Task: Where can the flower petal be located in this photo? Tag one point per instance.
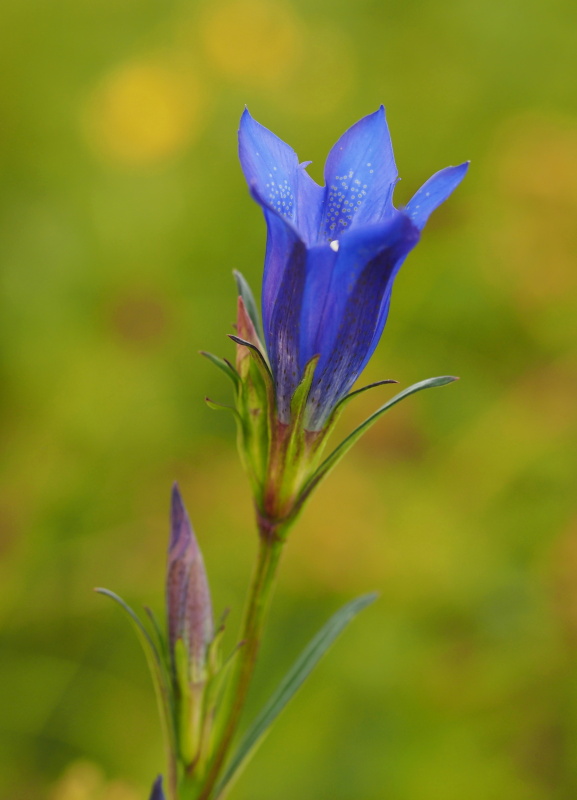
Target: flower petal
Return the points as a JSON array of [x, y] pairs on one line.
[[360, 175], [269, 165], [350, 321], [271, 168], [281, 240], [282, 330], [434, 192]]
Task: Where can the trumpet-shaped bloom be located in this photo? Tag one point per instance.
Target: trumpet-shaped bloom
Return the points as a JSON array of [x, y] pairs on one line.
[[332, 254]]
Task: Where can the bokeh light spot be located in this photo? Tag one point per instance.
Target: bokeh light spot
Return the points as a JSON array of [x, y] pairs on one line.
[[144, 112], [138, 318], [252, 41], [83, 780]]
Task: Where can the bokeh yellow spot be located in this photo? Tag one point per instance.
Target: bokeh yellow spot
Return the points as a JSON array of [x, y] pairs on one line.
[[252, 41], [144, 112], [83, 780]]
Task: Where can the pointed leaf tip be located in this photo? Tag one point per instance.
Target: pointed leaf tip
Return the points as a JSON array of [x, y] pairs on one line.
[[245, 292]]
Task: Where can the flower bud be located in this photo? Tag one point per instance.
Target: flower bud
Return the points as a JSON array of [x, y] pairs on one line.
[[188, 601], [157, 792]]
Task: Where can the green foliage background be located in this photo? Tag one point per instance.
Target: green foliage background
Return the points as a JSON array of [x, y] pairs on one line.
[[123, 213]]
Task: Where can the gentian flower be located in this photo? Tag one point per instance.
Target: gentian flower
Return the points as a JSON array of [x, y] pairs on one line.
[[332, 255]]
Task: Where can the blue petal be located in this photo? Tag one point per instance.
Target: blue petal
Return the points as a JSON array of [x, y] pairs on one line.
[[281, 241], [276, 178], [434, 192], [350, 316], [283, 315], [269, 165], [360, 175], [157, 791]]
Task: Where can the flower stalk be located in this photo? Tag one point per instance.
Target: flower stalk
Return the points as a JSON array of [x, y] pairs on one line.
[[255, 616]]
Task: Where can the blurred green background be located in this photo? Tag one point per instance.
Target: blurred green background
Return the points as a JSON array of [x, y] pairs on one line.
[[123, 213]]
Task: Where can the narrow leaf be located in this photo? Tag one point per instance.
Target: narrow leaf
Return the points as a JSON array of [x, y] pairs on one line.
[[353, 437], [142, 632], [160, 639], [254, 349], [223, 365], [245, 292], [350, 396], [160, 678], [220, 406], [293, 680]]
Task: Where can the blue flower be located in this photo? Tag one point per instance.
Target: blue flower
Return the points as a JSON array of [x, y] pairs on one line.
[[332, 254]]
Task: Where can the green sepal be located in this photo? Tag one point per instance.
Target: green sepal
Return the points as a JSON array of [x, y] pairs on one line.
[[300, 396], [245, 292], [161, 679], [255, 407], [222, 364], [295, 458], [190, 705], [257, 355], [220, 406], [187, 739], [288, 687], [334, 458]]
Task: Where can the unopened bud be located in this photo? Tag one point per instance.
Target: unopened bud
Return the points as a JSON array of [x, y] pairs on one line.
[[187, 594], [157, 791]]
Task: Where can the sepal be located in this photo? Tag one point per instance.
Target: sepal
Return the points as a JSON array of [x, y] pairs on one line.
[[245, 292], [222, 364], [254, 401]]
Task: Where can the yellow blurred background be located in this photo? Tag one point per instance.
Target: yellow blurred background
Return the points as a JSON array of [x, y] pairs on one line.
[[124, 212]]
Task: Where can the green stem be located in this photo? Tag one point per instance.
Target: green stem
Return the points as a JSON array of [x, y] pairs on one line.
[[270, 549]]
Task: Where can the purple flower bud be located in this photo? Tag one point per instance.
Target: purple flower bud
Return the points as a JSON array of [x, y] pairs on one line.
[[157, 792], [188, 601]]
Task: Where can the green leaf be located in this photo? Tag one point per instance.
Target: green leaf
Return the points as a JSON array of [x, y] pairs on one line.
[[293, 680], [160, 678], [220, 406], [353, 437], [223, 365], [160, 639], [245, 292], [350, 396]]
